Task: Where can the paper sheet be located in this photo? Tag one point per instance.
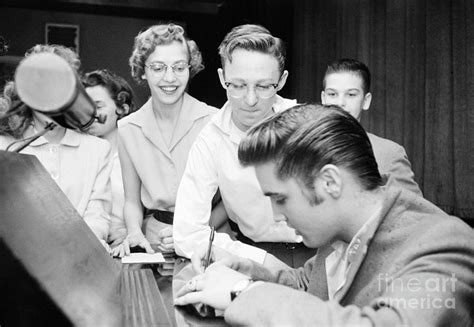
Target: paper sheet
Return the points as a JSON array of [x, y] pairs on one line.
[[144, 258]]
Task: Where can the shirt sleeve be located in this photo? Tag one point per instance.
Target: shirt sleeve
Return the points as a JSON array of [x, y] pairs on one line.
[[99, 205], [271, 304], [193, 205]]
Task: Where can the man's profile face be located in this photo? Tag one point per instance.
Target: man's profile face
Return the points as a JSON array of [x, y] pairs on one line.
[[345, 89], [251, 70], [291, 199]]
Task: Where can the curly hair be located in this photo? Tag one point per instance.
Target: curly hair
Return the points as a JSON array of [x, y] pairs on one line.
[[146, 42], [118, 88], [18, 115], [66, 53]]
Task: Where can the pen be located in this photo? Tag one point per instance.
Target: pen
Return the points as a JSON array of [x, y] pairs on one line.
[[207, 310], [211, 239]]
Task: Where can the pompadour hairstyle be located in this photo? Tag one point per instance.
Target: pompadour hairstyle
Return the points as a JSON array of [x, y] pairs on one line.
[[146, 42], [252, 37], [351, 66], [302, 139], [118, 88]]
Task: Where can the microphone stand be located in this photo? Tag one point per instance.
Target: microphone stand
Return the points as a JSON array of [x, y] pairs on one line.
[[49, 127]]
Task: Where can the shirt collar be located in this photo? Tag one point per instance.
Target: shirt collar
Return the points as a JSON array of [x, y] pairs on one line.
[[144, 118], [223, 119], [71, 138], [194, 111]]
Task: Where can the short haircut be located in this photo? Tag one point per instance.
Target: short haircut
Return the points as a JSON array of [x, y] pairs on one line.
[[162, 34], [351, 66], [252, 37], [118, 88], [304, 138]]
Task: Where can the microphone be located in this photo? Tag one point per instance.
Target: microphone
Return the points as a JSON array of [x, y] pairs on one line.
[[45, 82]]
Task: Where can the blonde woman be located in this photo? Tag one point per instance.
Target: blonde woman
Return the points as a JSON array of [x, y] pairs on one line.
[[154, 142]]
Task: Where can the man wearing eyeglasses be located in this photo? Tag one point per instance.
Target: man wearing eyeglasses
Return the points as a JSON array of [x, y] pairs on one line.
[[252, 73]]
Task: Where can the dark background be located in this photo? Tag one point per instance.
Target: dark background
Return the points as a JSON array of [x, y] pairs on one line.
[[419, 53]]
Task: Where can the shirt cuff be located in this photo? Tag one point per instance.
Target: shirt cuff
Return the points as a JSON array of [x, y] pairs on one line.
[[251, 252]]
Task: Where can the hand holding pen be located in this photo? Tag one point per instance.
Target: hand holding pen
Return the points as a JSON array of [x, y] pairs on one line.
[[209, 253]]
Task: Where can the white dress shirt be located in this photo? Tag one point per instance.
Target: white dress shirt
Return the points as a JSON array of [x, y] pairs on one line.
[[81, 165], [212, 164]]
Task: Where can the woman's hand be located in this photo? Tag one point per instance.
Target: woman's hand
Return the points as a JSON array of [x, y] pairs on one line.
[[117, 236], [135, 238], [166, 239]]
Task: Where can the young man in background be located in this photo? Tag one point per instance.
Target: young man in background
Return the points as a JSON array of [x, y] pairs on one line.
[[347, 84]]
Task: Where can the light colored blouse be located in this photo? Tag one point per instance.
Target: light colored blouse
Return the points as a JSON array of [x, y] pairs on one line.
[[81, 165], [118, 197], [158, 166]]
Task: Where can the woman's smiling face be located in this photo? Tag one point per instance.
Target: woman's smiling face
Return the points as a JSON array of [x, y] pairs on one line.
[[168, 86]]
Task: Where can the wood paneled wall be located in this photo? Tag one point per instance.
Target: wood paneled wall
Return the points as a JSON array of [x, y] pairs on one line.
[[420, 56]]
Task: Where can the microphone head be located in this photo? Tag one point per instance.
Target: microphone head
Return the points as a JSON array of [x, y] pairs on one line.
[[45, 82]]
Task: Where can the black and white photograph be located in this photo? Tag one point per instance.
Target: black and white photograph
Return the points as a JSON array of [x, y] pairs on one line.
[[236, 163]]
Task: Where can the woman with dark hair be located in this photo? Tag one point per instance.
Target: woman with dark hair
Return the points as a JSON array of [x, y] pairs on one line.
[[113, 98]]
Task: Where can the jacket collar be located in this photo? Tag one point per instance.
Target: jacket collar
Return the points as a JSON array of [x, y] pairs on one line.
[[365, 238], [191, 111], [319, 286]]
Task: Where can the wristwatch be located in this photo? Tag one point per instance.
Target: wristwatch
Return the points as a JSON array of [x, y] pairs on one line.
[[239, 287]]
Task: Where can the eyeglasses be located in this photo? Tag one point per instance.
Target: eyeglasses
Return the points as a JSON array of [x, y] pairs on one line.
[[179, 68], [263, 91]]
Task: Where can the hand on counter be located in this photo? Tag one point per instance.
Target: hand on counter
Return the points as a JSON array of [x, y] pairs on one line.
[[117, 236], [133, 239]]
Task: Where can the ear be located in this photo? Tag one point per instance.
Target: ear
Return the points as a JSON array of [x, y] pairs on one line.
[[367, 101], [329, 181], [126, 109], [220, 73], [323, 97], [282, 81]]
